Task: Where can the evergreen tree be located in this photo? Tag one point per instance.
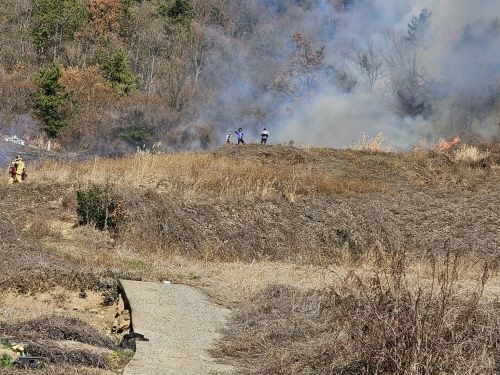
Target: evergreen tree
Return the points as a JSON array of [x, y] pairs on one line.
[[55, 21], [347, 5], [127, 18], [116, 69], [50, 100], [418, 26], [177, 12]]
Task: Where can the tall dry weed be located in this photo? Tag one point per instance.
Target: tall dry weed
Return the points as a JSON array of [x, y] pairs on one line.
[[191, 176], [373, 144], [386, 324], [469, 154]]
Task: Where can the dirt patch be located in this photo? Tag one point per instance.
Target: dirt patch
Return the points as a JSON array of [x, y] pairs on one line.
[[15, 307]]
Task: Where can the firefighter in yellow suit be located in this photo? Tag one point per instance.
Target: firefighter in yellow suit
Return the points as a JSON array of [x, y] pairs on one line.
[[16, 170]]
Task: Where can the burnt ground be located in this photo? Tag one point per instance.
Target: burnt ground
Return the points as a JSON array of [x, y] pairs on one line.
[[8, 152]]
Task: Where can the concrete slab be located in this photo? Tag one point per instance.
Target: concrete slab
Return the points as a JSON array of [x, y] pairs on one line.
[[181, 324]]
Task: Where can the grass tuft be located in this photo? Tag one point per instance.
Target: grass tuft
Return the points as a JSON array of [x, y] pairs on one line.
[[470, 154]]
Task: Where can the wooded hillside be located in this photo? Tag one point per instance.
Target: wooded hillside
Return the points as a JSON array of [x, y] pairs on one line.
[[111, 75]]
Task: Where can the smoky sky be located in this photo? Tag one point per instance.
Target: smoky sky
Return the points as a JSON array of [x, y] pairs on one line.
[[456, 66]]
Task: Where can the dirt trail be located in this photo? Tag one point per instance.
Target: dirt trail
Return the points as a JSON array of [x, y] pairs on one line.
[[180, 323]]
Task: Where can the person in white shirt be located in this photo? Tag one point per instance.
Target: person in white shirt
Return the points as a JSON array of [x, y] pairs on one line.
[[264, 136]]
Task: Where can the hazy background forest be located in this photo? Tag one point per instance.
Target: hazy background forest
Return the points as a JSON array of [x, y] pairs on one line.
[[109, 75]]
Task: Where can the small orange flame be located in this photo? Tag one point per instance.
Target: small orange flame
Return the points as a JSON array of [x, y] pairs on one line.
[[445, 145]]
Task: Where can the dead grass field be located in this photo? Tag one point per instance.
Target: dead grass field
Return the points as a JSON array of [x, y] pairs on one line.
[[386, 324], [194, 176], [242, 223]]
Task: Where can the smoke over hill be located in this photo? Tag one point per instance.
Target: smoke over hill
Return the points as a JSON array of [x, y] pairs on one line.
[[413, 69], [184, 72]]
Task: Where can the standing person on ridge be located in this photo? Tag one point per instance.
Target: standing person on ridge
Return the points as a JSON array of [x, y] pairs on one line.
[[239, 135], [17, 170], [263, 137], [228, 138]]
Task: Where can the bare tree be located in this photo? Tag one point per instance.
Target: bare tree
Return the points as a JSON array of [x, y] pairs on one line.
[[299, 78], [368, 62]]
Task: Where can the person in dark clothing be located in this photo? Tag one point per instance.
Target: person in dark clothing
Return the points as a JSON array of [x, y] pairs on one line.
[[240, 135]]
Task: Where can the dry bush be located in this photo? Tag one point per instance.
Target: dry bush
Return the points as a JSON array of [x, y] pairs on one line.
[[57, 354], [372, 144], [56, 328], [467, 153], [386, 325], [190, 176], [40, 228], [53, 370]]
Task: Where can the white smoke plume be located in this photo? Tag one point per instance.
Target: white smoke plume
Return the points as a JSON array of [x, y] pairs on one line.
[[464, 76], [452, 84]]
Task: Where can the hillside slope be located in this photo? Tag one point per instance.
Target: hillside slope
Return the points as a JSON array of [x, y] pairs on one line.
[[239, 219], [277, 202]]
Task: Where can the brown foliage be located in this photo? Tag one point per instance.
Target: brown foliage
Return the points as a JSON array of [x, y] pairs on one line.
[[104, 16], [15, 90], [90, 98], [299, 78]]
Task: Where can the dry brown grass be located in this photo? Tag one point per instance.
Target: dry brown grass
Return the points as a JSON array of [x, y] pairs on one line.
[[470, 154], [372, 144], [384, 324], [56, 370], [238, 222], [56, 328], [58, 353], [190, 176]]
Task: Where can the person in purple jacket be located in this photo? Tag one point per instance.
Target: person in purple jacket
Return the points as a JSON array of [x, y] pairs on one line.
[[239, 135]]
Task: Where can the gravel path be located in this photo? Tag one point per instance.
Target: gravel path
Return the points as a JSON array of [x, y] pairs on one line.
[[180, 323]]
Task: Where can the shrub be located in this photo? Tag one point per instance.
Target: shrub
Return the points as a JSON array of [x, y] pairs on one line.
[[136, 134], [177, 12], [6, 361], [384, 325], [116, 70], [99, 207]]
